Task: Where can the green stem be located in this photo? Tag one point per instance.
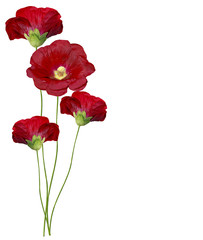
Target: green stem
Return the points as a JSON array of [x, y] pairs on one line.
[[65, 178], [40, 97], [46, 218], [40, 195], [41, 103], [45, 211], [52, 176]]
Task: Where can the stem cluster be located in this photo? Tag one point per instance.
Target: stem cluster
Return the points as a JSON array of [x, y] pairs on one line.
[[45, 208]]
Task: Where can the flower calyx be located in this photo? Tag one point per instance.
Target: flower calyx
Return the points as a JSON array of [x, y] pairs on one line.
[[81, 118], [35, 38], [36, 142]]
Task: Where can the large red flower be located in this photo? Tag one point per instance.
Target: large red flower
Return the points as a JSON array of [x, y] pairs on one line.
[[32, 131], [45, 20], [59, 66], [84, 107]]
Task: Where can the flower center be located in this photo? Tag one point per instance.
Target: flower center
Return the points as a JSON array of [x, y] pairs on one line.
[[60, 73]]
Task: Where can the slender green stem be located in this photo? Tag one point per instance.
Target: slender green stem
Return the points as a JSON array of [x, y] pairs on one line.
[[41, 111], [46, 219], [40, 195], [65, 178], [52, 176], [44, 210], [45, 173], [56, 156]]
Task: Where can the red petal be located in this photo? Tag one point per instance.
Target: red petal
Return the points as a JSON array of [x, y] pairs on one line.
[[44, 19], [25, 129], [98, 111], [86, 101], [56, 93], [33, 124], [26, 12], [16, 27], [94, 107], [69, 105], [78, 84], [79, 50], [20, 133], [49, 131]]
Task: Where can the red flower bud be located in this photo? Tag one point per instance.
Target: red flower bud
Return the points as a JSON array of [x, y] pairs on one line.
[[35, 131], [34, 24], [84, 107]]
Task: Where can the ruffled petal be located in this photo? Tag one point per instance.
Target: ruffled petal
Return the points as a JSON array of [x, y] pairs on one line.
[[16, 27], [78, 84], [49, 131], [20, 133], [94, 107], [44, 19], [25, 129], [69, 105]]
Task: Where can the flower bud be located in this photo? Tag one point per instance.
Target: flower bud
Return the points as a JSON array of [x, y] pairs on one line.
[[35, 38], [81, 118], [36, 142]]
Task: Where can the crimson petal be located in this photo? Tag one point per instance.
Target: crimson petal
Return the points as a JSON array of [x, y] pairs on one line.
[[39, 126], [31, 18], [94, 107]]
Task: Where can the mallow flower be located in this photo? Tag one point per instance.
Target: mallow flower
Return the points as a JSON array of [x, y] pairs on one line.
[[35, 131], [59, 66], [34, 24], [84, 107]]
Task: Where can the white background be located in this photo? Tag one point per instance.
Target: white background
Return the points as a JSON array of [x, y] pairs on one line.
[[139, 174]]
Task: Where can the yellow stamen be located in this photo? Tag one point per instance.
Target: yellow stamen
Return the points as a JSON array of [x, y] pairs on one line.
[[60, 73]]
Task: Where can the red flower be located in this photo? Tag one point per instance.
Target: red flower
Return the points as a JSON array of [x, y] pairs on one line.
[[45, 20], [59, 66], [35, 131], [84, 107]]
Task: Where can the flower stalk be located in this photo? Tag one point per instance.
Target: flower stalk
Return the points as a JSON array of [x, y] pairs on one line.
[[65, 177], [48, 189], [41, 97]]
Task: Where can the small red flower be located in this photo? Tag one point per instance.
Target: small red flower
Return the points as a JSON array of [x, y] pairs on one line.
[[34, 131], [46, 20], [59, 66], [84, 107]]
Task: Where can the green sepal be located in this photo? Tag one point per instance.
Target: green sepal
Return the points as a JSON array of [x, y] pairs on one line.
[[36, 142], [35, 39], [81, 118]]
